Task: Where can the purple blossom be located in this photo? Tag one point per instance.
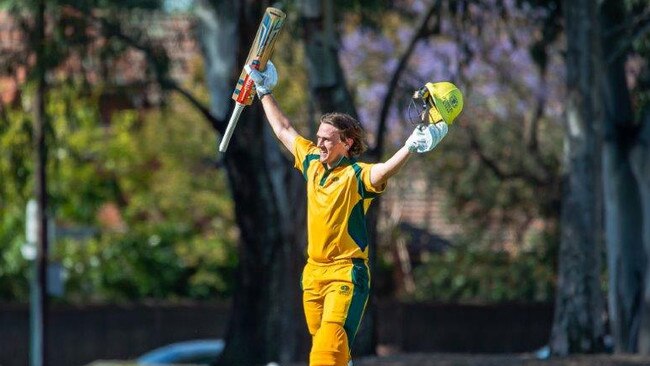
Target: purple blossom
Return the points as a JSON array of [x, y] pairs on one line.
[[497, 66], [405, 34], [390, 65], [419, 6], [381, 44], [491, 88], [521, 57], [531, 80]]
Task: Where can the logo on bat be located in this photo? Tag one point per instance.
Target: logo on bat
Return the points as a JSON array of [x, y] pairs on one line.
[[268, 32]]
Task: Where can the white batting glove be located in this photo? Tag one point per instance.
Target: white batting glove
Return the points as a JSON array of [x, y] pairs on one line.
[[426, 137], [265, 80]]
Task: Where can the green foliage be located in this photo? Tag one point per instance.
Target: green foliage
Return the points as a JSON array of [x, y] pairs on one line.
[[508, 214], [465, 274], [362, 7], [144, 187], [153, 213], [13, 268], [163, 262], [16, 185], [491, 204]]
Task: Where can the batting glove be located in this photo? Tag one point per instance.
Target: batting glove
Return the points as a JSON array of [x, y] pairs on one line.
[[265, 80], [426, 137]]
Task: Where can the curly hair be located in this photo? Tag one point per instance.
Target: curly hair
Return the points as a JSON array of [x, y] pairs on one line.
[[349, 128]]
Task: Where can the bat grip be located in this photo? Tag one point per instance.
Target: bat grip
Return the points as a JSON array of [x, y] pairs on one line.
[[223, 146]]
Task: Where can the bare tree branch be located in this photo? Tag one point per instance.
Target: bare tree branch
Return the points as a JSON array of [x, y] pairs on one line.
[[624, 35], [422, 31], [162, 77], [505, 78], [158, 61], [500, 172], [532, 136], [626, 28]]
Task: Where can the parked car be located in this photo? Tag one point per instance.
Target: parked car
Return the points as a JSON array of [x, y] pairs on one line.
[[195, 352]]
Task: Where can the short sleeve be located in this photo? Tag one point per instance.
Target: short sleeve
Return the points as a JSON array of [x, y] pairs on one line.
[[304, 152], [369, 191]]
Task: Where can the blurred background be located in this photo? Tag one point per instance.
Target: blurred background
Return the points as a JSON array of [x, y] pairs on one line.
[[122, 229]]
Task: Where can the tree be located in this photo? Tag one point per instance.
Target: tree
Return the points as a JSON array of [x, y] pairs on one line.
[[625, 181], [509, 136], [51, 50], [578, 325], [269, 204], [128, 182], [263, 182]]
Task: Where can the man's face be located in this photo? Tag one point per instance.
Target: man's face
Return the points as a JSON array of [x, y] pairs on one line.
[[332, 148]]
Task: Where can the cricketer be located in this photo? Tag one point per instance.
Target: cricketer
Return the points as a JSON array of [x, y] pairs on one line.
[[336, 279]]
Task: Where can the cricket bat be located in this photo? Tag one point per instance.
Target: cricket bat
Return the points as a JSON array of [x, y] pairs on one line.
[[259, 54]]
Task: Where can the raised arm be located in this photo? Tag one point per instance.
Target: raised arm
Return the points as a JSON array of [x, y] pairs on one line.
[[379, 173], [424, 138], [279, 122], [265, 81]]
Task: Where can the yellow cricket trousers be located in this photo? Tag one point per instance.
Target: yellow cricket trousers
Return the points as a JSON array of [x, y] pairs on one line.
[[334, 299]]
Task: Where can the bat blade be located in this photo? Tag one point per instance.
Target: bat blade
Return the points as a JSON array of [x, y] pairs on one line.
[[259, 54]]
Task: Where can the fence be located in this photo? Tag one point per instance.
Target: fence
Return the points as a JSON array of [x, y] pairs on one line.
[[81, 334], [496, 328]]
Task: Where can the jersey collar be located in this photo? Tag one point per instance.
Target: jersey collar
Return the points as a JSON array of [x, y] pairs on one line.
[[343, 161]]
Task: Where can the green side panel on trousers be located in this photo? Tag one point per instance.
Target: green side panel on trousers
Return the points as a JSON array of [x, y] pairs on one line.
[[361, 280]]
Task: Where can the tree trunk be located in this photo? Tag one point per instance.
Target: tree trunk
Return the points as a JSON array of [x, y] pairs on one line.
[[219, 53], [269, 197], [326, 80], [269, 201], [578, 324], [329, 93], [623, 216], [640, 157], [625, 255]]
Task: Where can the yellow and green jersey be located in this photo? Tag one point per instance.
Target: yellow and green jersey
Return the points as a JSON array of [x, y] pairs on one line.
[[337, 201]]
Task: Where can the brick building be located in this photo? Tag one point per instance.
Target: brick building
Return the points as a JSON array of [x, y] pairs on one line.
[[125, 73]]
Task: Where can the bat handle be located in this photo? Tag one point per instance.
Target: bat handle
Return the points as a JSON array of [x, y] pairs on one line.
[[223, 146]]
